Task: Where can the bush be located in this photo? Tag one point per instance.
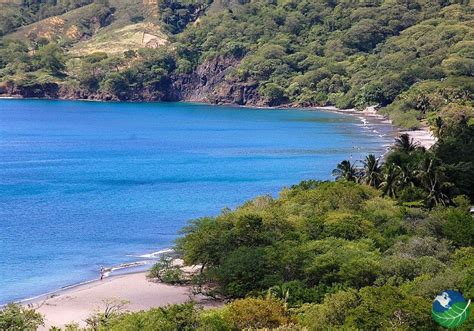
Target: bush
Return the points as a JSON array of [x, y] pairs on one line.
[[331, 313], [174, 317], [273, 93], [459, 227], [408, 120], [166, 272], [254, 313], [388, 307], [16, 317], [296, 293], [213, 320]]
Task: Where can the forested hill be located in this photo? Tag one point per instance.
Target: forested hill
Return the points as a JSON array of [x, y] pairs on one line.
[[415, 58]]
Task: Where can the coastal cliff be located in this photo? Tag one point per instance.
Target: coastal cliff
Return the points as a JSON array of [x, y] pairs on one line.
[[208, 83]]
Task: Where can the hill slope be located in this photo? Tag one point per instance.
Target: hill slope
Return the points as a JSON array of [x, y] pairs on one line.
[[113, 26]]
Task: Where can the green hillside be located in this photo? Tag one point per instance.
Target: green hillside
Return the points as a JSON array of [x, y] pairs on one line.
[[113, 26], [18, 13], [414, 57]]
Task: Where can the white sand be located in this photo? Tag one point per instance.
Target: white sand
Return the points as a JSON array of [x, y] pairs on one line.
[[421, 136], [78, 303]]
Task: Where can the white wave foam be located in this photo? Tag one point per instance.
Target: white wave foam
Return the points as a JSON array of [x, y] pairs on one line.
[[126, 266], [363, 120], [155, 255]]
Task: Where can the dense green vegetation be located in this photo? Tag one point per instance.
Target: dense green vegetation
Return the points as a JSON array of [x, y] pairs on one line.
[[176, 15], [15, 317], [14, 14], [344, 254]]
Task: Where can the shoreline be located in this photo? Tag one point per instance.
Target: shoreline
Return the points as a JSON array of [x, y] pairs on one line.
[[127, 268], [133, 291], [421, 136]]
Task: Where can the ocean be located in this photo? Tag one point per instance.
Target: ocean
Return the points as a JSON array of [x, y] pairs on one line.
[[89, 184]]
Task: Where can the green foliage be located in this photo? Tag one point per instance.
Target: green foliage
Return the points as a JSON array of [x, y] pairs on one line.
[[50, 58], [273, 93], [331, 313], [14, 15], [252, 313], [166, 272], [387, 307], [370, 308], [295, 293], [414, 59], [14, 317], [173, 317], [456, 224], [347, 54], [177, 14], [378, 263]]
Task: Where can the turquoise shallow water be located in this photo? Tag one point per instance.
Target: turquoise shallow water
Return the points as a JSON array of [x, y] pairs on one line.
[[87, 184]]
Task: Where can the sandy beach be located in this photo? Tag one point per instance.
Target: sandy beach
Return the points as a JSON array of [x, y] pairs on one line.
[[422, 136], [76, 304]]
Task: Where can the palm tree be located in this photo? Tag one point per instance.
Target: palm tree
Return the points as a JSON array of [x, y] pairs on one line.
[[372, 171], [390, 180], [431, 176], [346, 170], [407, 175], [405, 144]]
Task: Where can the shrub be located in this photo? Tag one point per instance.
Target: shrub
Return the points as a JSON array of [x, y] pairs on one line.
[[174, 317], [255, 313], [166, 272], [388, 307], [295, 293], [273, 93], [16, 317], [213, 320], [408, 120], [331, 313]]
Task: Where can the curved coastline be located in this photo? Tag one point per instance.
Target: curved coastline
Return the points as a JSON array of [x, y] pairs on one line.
[[133, 291], [367, 118], [138, 266], [131, 268]]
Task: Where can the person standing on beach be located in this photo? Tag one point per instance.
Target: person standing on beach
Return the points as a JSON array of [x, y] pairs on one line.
[[102, 271]]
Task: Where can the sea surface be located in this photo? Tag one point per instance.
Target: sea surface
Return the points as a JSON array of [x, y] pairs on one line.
[[85, 184]]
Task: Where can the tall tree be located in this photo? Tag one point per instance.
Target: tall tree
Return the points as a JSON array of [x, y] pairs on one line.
[[405, 144], [431, 176], [390, 181], [346, 170], [372, 171], [51, 58]]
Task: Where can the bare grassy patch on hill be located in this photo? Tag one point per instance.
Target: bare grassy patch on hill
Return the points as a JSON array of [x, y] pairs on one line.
[[130, 37]]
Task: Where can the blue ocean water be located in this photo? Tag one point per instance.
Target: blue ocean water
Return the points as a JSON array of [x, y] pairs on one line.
[[87, 184]]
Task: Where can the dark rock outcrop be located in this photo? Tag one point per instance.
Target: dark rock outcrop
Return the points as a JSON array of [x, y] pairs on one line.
[[46, 90], [211, 83]]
